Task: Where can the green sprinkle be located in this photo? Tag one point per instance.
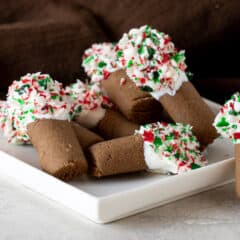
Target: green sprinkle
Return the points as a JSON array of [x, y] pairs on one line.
[[192, 138], [148, 31], [154, 38], [233, 112], [151, 52], [178, 57], [78, 109], [156, 76], [177, 155], [54, 97], [223, 123], [169, 149], [20, 101], [101, 64], [146, 89], [140, 50], [119, 53], [194, 166], [43, 83], [129, 64], [88, 59], [157, 141], [170, 136]]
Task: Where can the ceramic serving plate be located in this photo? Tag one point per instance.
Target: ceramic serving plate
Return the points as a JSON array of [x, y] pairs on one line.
[[109, 199]]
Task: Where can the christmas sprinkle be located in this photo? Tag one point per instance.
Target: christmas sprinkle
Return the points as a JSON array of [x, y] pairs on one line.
[[227, 122], [87, 102], [99, 61], [171, 148], [152, 61], [34, 96]]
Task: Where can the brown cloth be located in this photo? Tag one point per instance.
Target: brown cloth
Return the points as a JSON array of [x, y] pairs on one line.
[[51, 35], [44, 35]]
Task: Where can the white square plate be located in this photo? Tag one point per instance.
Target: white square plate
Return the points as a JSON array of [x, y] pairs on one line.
[[109, 199]]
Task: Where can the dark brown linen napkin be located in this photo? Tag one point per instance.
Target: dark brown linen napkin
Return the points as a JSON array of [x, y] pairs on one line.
[[47, 36]]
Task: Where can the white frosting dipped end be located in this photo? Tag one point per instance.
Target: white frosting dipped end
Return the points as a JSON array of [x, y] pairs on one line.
[[157, 162], [90, 119], [34, 96], [87, 101], [170, 148], [151, 61], [181, 76]]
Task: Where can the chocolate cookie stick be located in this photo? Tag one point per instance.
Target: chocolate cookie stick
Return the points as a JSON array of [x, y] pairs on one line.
[[58, 148], [136, 105], [227, 123], [191, 109], [38, 113], [159, 147], [120, 155], [85, 137], [115, 125]]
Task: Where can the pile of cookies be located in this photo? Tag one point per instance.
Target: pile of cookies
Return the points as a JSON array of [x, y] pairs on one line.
[[138, 111]]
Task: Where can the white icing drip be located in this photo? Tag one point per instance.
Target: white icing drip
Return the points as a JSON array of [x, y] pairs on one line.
[[181, 79], [90, 119]]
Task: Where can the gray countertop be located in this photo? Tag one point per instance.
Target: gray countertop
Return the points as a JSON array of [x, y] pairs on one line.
[[210, 215]]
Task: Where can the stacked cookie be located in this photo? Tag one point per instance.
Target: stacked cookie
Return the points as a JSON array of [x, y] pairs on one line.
[[114, 124]]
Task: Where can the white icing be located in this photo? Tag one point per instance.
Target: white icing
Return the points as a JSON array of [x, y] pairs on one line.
[[170, 148], [90, 119], [89, 98]]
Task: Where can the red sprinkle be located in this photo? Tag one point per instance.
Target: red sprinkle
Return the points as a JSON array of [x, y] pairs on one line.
[[105, 74], [236, 135], [165, 58], [142, 80], [25, 80], [148, 136]]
